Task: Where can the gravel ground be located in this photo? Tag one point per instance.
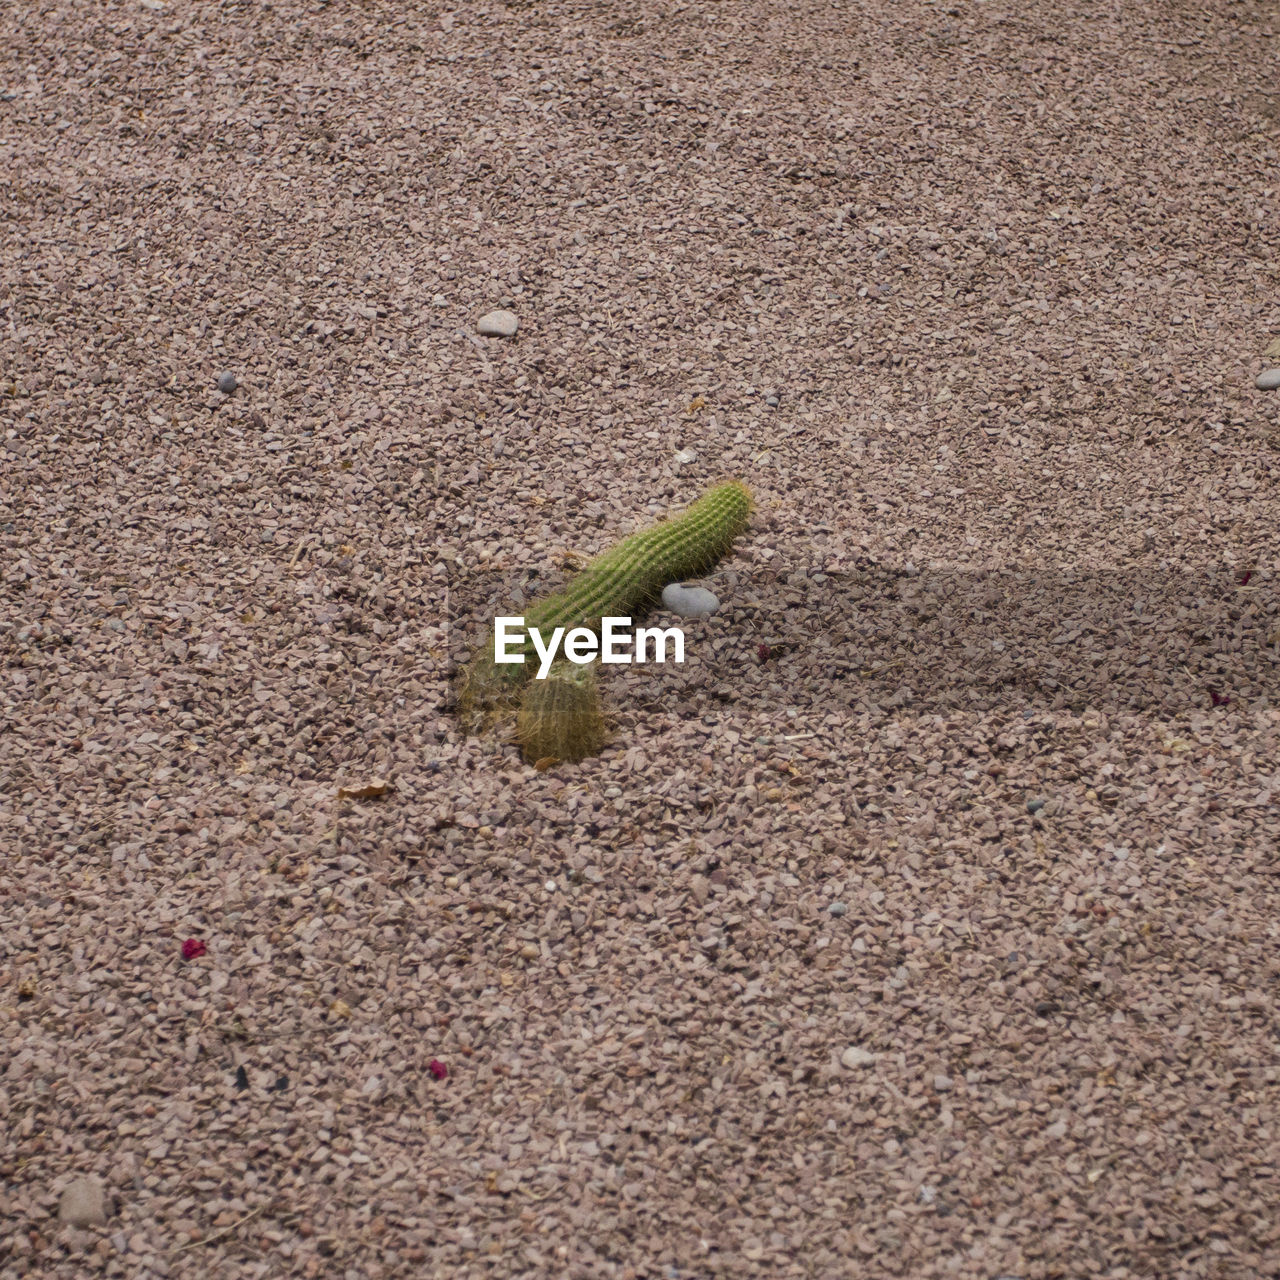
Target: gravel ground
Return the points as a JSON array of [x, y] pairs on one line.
[[924, 923]]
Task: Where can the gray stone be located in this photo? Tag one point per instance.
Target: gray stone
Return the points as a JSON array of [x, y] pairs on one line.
[[771, 401], [227, 383], [83, 1204], [498, 324], [1034, 806], [837, 909], [686, 455], [689, 602], [1268, 381], [942, 1083]]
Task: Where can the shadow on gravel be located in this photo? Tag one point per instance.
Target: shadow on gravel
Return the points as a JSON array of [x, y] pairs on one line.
[[941, 642]]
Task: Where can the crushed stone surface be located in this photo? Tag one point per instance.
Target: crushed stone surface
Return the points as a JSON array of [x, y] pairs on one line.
[[923, 923]]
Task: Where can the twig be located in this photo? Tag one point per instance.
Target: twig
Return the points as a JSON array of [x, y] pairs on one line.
[[220, 1235]]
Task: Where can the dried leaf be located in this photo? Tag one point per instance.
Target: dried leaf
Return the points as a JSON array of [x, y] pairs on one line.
[[698, 402], [545, 763], [340, 1009], [365, 791], [1273, 350]]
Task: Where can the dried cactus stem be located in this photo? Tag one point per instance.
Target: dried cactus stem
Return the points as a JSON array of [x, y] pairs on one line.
[[560, 716]]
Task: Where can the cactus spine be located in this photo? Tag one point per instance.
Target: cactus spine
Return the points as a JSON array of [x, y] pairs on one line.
[[560, 716]]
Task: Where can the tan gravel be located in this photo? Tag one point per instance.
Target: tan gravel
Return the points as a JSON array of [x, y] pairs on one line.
[[924, 924]]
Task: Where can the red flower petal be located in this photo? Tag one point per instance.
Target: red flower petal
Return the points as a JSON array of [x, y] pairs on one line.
[[437, 1068], [192, 948]]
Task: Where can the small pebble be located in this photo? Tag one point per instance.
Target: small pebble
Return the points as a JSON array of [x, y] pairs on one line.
[[928, 1195], [227, 383], [837, 909], [685, 456], [942, 1083], [1269, 380], [83, 1204], [689, 602], [498, 324], [1034, 806], [772, 401], [854, 1056]]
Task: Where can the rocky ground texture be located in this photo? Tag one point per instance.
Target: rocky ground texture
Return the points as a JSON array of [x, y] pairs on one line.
[[923, 924]]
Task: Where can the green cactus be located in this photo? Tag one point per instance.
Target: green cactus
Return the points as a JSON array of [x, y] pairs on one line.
[[629, 578], [560, 716], [623, 582]]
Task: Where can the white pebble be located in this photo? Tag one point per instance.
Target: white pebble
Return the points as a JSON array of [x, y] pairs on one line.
[[498, 324], [1268, 381], [854, 1056]]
